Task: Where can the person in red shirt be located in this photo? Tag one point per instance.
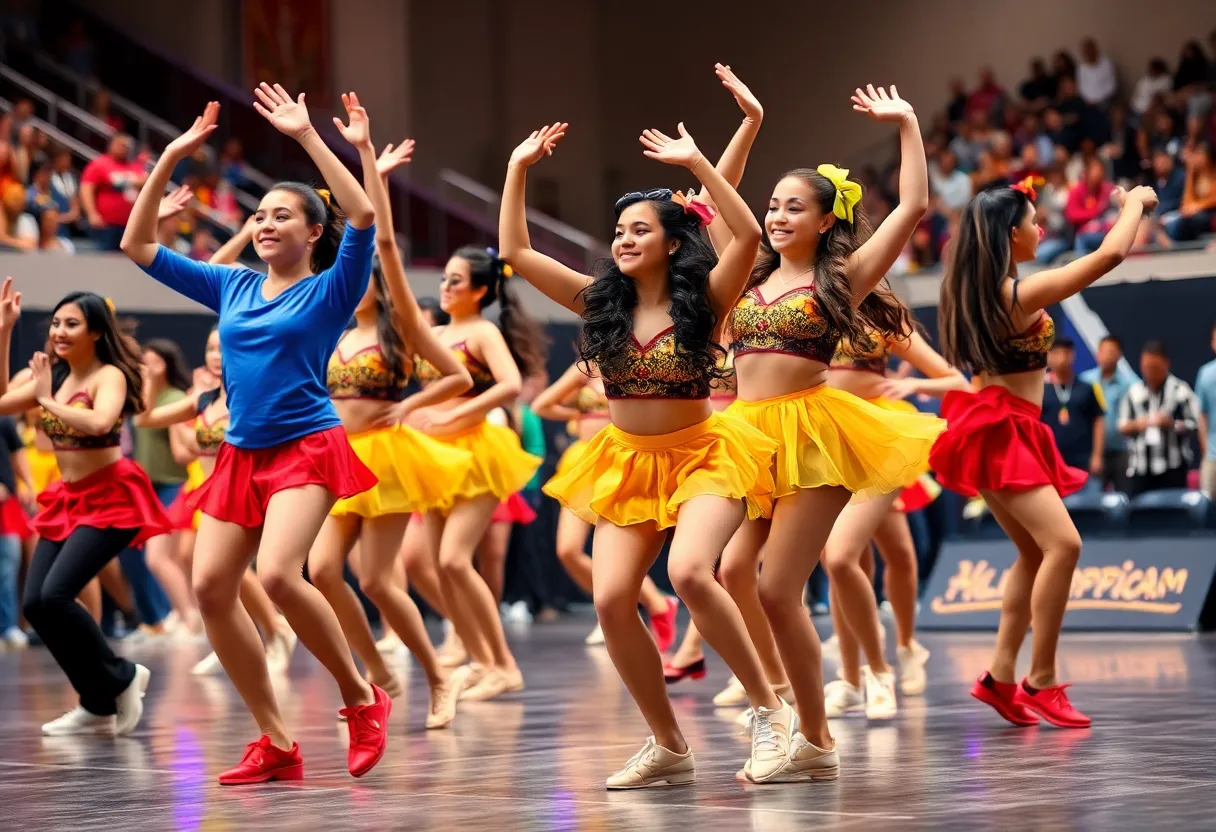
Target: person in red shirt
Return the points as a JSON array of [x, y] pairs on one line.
[[108, 188], [1089, 206]]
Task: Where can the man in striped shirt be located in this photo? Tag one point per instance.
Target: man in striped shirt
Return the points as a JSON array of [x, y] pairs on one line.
[[1158, 416]]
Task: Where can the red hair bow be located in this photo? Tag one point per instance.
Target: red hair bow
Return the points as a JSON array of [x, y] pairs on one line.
[[691, 206], [1028, 185]]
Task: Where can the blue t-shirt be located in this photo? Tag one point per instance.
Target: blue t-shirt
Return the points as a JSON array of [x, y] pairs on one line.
[[1114, 390], [1205, 389], [276, 351]]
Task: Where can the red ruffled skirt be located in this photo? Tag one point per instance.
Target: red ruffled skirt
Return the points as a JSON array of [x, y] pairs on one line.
[[996, 441], [119, 496], [244, 479], [181, 515], [13, 522], [514, 509]]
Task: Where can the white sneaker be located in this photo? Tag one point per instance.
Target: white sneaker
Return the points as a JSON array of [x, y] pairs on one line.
[[880, 694], [390, 645], [912, 669], [279, 649], [807, 762], [16, 638], [841, 699], [831, 649], [654, 765], [518, 613], [732, 694], [209, 666], [78, 722], [596, 638], [130, 703], [771, 731]]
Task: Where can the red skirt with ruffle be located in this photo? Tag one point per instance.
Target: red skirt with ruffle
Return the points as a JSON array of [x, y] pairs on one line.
[[244, 479], [13, 522], [514, 509], [119, 496], [181, 515], [995, 441]]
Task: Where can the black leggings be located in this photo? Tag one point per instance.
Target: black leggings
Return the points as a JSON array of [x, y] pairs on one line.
[[58, 573]]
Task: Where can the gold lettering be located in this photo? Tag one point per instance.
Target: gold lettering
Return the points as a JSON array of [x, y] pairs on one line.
[[1148, 584], [1132, 588], [1172, 581]]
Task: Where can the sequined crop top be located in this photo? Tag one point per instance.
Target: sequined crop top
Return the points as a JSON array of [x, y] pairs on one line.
[[868, 356], [209, 435], [64, 438], [591, 403], [791, 324], [1027, 350], [366, 375], [483, 379], [653, 371]]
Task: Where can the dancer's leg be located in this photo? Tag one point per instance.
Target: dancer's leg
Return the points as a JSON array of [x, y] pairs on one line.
[[492, 557], [901, 581], [739, 572]]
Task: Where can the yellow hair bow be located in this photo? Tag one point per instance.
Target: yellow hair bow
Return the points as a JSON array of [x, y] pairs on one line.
[[326, 197], [848, 193]]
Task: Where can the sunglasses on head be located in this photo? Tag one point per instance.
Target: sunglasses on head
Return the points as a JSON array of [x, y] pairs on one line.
[[635, 196]]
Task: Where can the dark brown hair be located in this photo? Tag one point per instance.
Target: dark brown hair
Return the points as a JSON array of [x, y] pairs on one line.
[[322, 211]]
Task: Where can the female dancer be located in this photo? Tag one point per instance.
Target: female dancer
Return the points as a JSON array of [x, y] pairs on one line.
[[208, 410], [103, 503], [859, 367], [473, 279], [367, 376], [997, 326], [285, 459], [579, 398], [667, 459], [812, 286], [515, 510]]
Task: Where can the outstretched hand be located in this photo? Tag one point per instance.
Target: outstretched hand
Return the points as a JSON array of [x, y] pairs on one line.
[[174, 202], [540, 144], [276, 106], [10, 305], [748, 103], [880, 104], [185, 144], [682, 151], [359, 131], [394, 157]]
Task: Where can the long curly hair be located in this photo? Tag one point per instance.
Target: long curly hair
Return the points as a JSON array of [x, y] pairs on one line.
[[880, 310], [525, 339], [610, 300]]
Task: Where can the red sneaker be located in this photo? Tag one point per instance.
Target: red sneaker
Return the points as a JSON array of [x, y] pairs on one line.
[[1052, 704], [1002, 698], [673, 674], [663, 625], [368, 725], [263, 762]]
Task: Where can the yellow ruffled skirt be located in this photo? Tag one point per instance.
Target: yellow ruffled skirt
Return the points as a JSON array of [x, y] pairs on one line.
[[626, 479], [829, 437], [416, 473], [569, 457], [499, 464], [44, 470]]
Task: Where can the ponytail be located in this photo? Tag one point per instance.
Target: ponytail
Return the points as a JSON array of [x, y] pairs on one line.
[[524, 337], [319, 209]]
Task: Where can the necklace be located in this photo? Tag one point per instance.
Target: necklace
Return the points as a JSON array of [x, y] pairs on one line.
[[785, 281]]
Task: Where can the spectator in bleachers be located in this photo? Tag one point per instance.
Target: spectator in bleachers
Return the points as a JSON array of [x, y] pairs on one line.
[[1090, 210], [950, 185], [100, 109], [108, 188], [29, 152], [1031, 132], [971, 140], [1168, 179], [1049, 215], [1074, 115], [1120, 150], [65, 188], [6, 165], [18, 230], [956, 107], [1114, 378], [1158, 132], [1157, 417], [1156, 82], [1192, 75], [233, 165], [988, 97], [1075, 411], [1205, 391], [995, 163], [76, 49], [1063, 65], [1039, 89], [1096, 78], [1194, 217], [23, 111]]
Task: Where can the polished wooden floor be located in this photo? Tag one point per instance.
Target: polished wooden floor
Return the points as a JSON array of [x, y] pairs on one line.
[[538, 760]]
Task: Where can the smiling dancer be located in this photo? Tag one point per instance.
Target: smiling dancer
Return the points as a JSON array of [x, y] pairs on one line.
[[667, 460], [579, 399], [996, 325], [103, 503], [286, 458], [367, 377]]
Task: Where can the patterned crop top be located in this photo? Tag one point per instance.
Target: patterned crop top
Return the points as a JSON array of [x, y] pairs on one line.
[[209, 435], [791, 324], [868, 356], [366, 375], [653, 371], [1028, 350], [483, 379], [64, 438], [591, 403]]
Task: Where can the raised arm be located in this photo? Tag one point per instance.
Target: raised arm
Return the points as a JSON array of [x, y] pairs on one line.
[[167, 415], [734, 159], [10, 312], [291, 119], [108, 401], [735, 261], [551, 402], [456, 379], [940, 377], [230, 251], [1042, 289], [561, 283]]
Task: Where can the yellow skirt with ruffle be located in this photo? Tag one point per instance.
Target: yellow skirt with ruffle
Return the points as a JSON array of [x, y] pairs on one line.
[[829, 437], [44, 470], [499, 465], [416, 473], [569, 457], [626, 479]]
